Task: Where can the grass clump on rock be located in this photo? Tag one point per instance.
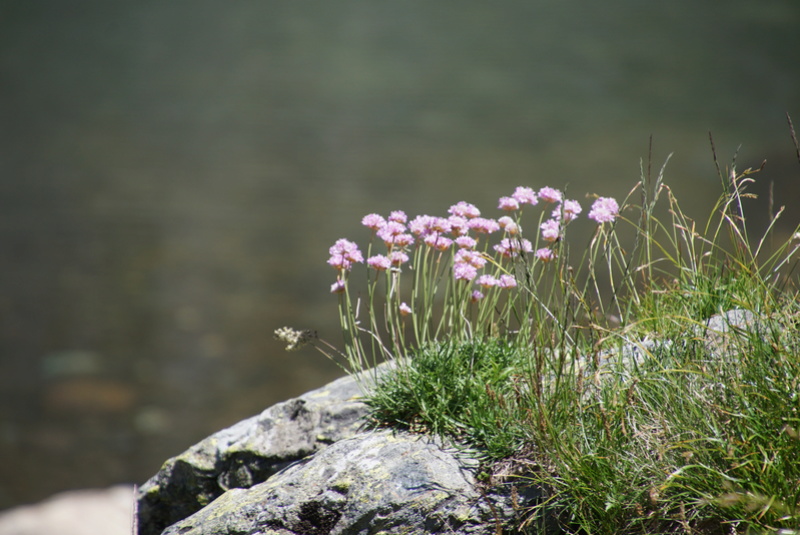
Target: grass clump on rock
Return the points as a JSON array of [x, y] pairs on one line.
[[652, 388]]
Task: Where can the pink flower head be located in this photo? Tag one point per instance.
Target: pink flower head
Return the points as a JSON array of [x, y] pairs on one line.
[[459, 225], [476, 296], [508, 225], [405, 310], [338, 286], [604, 210], [402, 240], [548, 194], [420, 225], [506, 281], [463, 271], [486, 281], [389, 231], [373, 221], [437, 241], [466, 242], [344, 254], [398, 216], [441, 225], [550, 230], [545, 254], [398, 258], [483, 225], [570, 208], [510, 248], [525, 195], [379, 262], [464, 209], [508, 203], [467, 256]]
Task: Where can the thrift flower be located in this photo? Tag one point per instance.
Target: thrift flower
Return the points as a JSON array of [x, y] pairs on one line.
[[398, 258], [486, 281], [476, 296], [405, 310], [398, 216], [483, 225], [459, 225], [437, 241], [464, 271], [525, 195], [467, 256], [604, 210], [379, 262], [420, 225], [508, 225], [510, 248], [464, 209], [338, 286], [545, 254], [344, 254], [550, 230], [506, 281], [570, 208], [466, 242], [388, 232], [440, 224], [508, 203], [548, 194], [373, 221]]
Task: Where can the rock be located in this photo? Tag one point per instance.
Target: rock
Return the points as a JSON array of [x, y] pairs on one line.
[[249, 452], [375, 482], [76, 512]]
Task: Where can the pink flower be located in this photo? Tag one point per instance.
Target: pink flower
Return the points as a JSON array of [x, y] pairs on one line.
[[510, 248], [483, 225], [464, 209], [402, 240], [476, 296], [486, 281], [604, 210], [398, 258], [525, 195], [571, 210], [441, 225], [508, 225], [344, 254], [338, 286], [398, 216], [548, 194], [466, 242], [373, 221], [506, 281], [550, 230], [508, 203], [405, 310], [437, 241], [467, 256], [388, 232], [464, 271], [379, 262], [459, 225], [420, 225], [545, 254]]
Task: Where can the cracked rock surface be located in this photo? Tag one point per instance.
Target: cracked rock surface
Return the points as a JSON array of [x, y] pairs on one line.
[[374, 482], [249, 452]]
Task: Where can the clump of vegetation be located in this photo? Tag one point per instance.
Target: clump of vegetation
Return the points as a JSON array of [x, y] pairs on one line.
[[656, 389]]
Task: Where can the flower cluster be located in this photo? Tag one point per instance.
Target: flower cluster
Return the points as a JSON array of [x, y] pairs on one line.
[[461, 232]]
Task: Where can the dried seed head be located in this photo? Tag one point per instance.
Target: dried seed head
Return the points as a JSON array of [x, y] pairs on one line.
[[293, 338]]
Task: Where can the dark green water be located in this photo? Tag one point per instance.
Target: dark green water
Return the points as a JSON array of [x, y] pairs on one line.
[[172, 174]]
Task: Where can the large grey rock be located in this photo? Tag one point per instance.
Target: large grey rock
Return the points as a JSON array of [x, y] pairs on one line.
[[249, 452], [376, 482]]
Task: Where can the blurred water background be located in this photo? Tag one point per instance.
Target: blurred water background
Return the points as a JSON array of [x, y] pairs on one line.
[[172, 174]]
